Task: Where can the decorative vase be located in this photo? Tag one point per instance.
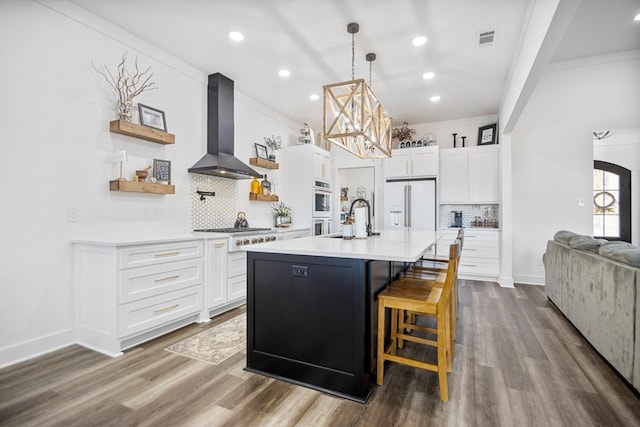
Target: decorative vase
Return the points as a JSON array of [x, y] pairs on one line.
[[272, 157], [124, 110]]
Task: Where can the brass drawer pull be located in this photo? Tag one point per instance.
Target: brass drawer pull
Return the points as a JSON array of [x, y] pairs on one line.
[[167, 278], [168, 253], [160, 310]]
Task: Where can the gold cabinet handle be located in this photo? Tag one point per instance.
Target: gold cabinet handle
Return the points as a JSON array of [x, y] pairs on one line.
[[160, 310], [167, 278], [168, 253]]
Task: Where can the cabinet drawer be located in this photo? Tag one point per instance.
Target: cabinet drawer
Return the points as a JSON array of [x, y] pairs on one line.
[[236, 287], [236, 263], [139, 316], [139, 256], [491, 236], [479, 266], [144, 282], [480, 248]]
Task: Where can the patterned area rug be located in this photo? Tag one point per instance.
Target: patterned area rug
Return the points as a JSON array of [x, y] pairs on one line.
[[217, 344]]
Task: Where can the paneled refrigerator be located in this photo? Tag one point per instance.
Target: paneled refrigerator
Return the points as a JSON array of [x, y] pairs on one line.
[[410, 204]]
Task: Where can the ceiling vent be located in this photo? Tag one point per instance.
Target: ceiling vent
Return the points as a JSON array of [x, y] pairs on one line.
[[486, 38]]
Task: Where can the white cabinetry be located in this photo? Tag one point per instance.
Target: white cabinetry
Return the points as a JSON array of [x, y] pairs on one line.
[[480, 252], [469, 175], [321, 165], [226, 279], [128, 294], [412, 162], [300, 167]]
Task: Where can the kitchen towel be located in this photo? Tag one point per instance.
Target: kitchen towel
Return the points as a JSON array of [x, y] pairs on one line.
[[361, 223]]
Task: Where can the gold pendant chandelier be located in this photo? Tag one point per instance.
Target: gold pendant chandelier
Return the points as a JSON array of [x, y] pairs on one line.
[[353, 117]]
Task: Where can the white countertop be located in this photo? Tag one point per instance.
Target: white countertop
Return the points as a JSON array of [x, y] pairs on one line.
[[390, 245], [129, 238]]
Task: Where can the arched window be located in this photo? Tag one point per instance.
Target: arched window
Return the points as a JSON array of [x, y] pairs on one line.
[[611, 201]]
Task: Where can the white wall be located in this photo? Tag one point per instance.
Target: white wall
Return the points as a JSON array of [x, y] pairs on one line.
[[58, 153], [623, 149], [552, 154]]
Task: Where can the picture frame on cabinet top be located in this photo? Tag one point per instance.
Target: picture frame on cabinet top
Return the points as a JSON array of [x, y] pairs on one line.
[[487, 134]]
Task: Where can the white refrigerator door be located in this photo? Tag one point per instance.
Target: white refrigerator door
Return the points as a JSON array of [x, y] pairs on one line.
[[422, 205], [394, 205]]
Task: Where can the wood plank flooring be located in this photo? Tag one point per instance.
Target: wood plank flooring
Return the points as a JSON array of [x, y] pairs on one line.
[[518, 363]]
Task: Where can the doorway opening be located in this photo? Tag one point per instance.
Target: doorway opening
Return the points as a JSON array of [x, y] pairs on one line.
[[611, 201]]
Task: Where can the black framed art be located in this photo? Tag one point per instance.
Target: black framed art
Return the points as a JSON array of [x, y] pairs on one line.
[[162, 170], [487, 135], [261, 151], [152, 118]]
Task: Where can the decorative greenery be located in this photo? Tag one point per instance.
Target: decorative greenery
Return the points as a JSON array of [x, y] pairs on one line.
[[280, 209], [273, 142], [403, 133]]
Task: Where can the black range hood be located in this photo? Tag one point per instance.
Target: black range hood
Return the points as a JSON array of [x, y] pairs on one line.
[[219, 160]]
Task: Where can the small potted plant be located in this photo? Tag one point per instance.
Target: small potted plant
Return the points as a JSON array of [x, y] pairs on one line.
[[274, 143], [282, 214]]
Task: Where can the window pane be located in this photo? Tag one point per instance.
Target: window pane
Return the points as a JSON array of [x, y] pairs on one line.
[[597, 179], [613, 199], [598, 227], [611, 181], [612, 226]]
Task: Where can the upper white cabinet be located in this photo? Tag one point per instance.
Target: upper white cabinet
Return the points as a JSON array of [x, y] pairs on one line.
[[321, 165], [469, 175], [412, 162]]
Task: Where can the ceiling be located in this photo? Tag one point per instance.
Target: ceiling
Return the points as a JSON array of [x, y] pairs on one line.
[[309, 38]]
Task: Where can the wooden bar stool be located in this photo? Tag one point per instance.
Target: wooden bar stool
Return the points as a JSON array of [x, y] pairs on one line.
[[422, 298]]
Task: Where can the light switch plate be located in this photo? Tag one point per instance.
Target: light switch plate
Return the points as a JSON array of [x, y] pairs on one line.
[[73, 214], [580, 201]]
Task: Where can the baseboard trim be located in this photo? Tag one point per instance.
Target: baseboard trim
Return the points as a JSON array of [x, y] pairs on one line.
[[26, 350], [506, 282], [529, 279]]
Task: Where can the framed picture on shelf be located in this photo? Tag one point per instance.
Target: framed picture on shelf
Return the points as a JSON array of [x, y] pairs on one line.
[[487, 135], [261, 151], [151, 117], [162, 171]]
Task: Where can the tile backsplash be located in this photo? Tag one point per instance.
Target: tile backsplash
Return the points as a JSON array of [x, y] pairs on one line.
[[469, 214], [213, 212]]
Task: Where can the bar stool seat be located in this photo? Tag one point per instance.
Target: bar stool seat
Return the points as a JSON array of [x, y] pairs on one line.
[[426, 297]]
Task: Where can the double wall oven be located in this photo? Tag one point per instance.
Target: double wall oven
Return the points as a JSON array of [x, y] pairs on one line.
[[321, 207]]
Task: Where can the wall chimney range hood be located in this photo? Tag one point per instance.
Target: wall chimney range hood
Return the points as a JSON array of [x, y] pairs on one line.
[[219, 160]]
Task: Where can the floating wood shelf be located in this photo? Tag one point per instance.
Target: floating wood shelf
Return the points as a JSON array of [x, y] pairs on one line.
[[263, 163], [141, 187], [263, 197], [143, 132]]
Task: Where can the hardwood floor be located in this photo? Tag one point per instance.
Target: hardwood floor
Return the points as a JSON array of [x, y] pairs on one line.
[[518, 363]]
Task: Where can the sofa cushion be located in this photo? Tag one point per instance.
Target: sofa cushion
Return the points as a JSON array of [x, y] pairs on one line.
[[621, 251], [587, 243], [627, 255], [564, 236]]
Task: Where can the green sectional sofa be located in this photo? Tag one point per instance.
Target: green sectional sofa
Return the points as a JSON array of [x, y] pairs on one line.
[[594, 283]]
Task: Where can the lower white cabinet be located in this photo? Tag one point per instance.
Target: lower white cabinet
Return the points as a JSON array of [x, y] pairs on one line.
[[226, 278], [131, 293], [480, 252]]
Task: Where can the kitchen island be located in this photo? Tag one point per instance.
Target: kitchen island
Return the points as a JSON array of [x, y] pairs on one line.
[[312, 308]]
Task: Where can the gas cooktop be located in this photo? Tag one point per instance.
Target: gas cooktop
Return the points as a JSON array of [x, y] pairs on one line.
[[231, 230]]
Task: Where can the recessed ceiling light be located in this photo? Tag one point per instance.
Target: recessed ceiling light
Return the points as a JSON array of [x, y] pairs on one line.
[[429, 75], [284, 73], [419, 41], [435, 98], [236, 36], [637, 17], [314, 97]]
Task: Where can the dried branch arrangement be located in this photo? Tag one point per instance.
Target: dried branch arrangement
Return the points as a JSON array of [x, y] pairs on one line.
[[127, 86], [403, 133]]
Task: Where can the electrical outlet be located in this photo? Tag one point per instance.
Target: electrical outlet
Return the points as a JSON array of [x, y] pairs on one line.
[[580, 201], [539, 263], [73, 214]]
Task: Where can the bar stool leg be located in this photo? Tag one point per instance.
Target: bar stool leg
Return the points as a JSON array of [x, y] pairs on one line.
[[380, 367]]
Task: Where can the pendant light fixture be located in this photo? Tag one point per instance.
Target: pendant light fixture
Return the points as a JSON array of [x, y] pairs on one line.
[[353, 118]]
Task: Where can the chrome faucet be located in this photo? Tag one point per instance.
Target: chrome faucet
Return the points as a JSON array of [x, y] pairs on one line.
[[368, 213]]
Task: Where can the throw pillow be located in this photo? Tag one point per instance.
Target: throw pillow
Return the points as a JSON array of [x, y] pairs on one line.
[[564, 236], [587, 243]]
